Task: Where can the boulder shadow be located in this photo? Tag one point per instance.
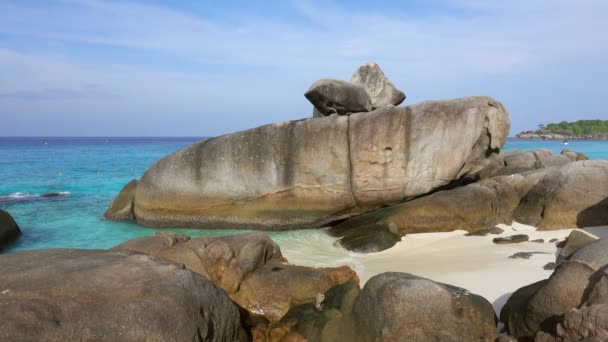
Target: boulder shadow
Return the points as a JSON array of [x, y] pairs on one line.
[[595, 215]]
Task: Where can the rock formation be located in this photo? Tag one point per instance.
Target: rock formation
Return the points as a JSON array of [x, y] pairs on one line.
[[121, 208], [571, 305], [338, 97], [381, 91], [249, 267], [9, 230], [572, 195], [66, 295], [304, 174]]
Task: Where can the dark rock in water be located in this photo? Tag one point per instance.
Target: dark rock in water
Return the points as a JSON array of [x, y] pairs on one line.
[[366, 239], [511, 239], [338, 97], [550, 266], [249, 267], [308, 173], [575, 241], [561, 244], [121, 208], [403, 307], [486, 231], [525, 255], [92, 295], [381, 91], [545, 306], [538, 240], [9, 230], [52, 194], [553, 240]]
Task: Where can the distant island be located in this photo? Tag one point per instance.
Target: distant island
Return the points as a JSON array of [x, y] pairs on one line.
[[577, 130]]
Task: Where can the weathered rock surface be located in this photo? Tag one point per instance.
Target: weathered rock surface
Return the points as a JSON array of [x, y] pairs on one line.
[[574, 156], [545, 309], [404, 307], [249, 267], [64, 295], [575, 241], [381, 91], [551, 198], [304, 174], [338, 97], [574, 195], [121, 208], [9, 230]]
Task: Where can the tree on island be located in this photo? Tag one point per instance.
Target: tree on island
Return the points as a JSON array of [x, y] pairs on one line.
[[580, 127]]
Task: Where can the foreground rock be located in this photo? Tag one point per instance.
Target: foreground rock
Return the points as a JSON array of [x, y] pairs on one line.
[[121, 208], [572, 195], [404, 307], [63, 295], [338, 97], [9, 230], [249, 267], [566, 307], [304, 174], [381, 91]]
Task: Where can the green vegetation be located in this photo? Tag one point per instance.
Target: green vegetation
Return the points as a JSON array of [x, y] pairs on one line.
[[578, 127]]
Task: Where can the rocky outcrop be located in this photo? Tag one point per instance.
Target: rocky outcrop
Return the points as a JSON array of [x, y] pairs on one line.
[[121, 208], [575, 241], [338, 97], [381, 91], [572, 195], [249, 267], [304, 174], [403, 307], [65, 295], [9, 230], [564, 307]]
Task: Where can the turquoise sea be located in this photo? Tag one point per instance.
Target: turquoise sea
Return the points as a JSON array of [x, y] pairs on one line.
[[89, 172]]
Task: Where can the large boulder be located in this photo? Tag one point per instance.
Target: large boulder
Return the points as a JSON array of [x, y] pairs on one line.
[[403, 307], [575, 195], [543, 306], [65, 295], [338, 97], [9, 230], [121, 208], [307, 173], [249, 267], [381, 91]]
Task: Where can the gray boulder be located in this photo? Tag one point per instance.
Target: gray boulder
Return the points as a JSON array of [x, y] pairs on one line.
[[578, 281], [306, 173], [403, 307], [381, 91], [575, 241], [66, 295], [9, 230], [121, 208], [574, 156], [338, 97]]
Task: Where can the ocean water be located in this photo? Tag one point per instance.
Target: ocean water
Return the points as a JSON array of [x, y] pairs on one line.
[[87, 173]]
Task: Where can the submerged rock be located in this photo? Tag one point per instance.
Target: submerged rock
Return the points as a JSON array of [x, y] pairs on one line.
[[524, 255], [67, 294], [121, 208], [9, 230], [381, 91], [307, 173], [338, 97], [486, 231]]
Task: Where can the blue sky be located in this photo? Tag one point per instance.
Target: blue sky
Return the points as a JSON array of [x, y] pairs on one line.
[[204, 68]]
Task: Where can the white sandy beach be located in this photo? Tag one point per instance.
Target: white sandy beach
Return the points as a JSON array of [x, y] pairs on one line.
[[471, 262]]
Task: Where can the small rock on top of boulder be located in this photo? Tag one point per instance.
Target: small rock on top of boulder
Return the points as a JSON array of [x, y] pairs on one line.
[[381, 91], [511, 239], [9, 230], [338, 97]]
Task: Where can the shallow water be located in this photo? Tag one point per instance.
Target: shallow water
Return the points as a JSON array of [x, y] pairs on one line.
[[87, 173]]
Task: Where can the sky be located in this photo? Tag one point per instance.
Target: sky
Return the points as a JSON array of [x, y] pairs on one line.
[[205, 68]]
